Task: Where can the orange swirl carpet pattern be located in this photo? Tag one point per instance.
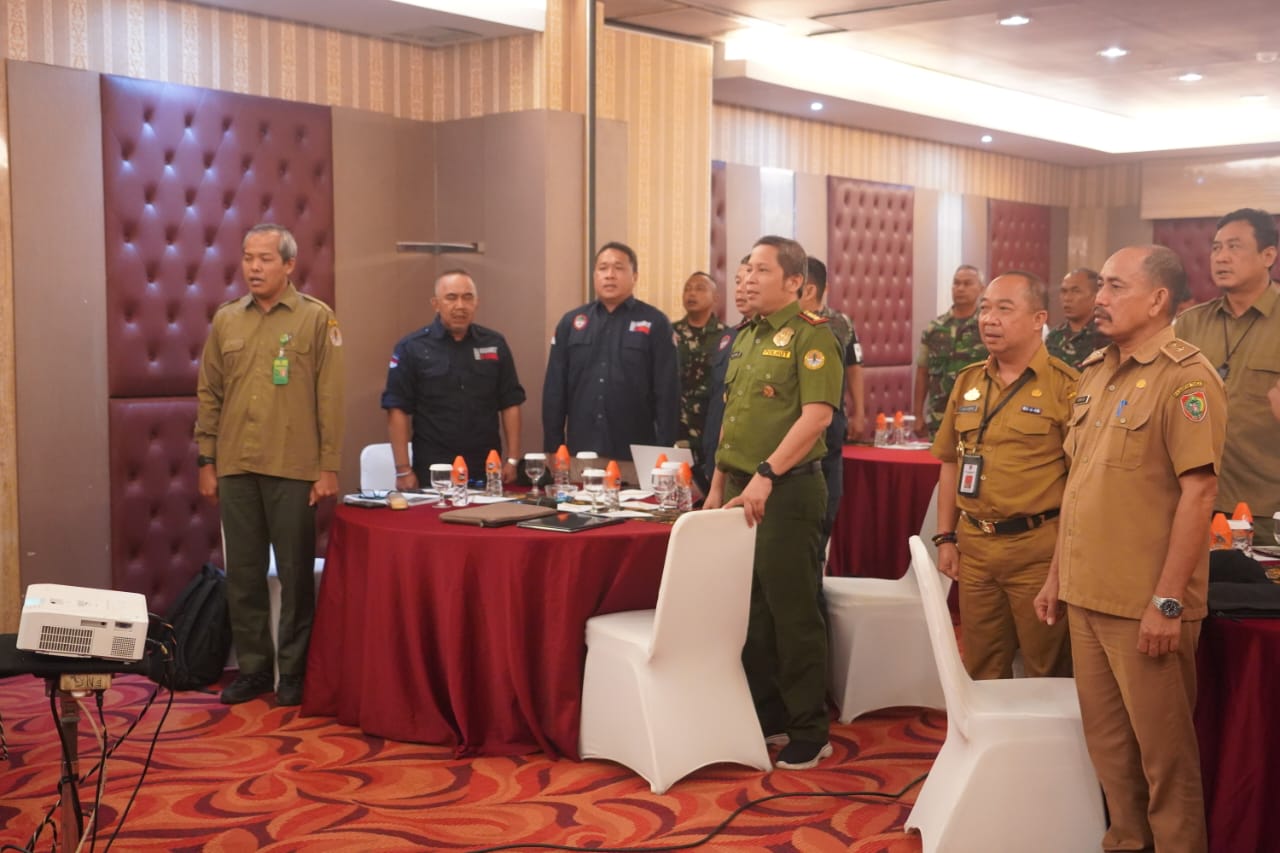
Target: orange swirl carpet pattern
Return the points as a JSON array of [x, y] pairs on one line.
[[259, 777]]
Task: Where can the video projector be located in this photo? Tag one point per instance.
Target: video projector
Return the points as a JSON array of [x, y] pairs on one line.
[[75, 621]]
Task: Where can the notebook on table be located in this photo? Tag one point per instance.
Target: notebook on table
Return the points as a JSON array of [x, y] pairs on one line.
[[496, 515], [569, 522]]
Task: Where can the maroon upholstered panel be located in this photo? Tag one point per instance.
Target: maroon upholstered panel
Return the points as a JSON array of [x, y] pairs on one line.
[[1191, 239], [888, 390], [869, 265], [719, 239], [1019, 238], [186, 172], [162, 530]]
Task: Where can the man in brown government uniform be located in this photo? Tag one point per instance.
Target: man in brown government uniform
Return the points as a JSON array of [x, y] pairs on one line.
[[1239, 332], [1000, 488], [1132, 561], [269, 433]]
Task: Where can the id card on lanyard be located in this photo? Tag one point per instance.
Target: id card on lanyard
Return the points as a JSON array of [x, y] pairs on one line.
[[971, 463]]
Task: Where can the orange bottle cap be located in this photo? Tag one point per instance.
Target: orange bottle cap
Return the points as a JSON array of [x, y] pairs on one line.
[[493, 462], [613, 475], [562, 457], [660, 461], [459, 471], [881, 421], [1242, 513], [685, 474]]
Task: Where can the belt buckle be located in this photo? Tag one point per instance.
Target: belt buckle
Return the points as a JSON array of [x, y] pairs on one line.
[[986, 526]]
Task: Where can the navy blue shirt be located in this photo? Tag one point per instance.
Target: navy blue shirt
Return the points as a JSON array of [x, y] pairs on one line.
[[454, 391], [715, 404], [613, 378]]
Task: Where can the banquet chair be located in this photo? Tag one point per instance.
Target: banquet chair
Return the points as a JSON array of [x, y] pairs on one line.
[[664, 692], [378, 466], [878, 653], [1013, 774]]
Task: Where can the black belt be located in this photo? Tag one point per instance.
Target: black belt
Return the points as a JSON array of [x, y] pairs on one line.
[[1012, 525], [814, 467]]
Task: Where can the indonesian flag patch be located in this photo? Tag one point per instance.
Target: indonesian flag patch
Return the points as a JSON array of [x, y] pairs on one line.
[[640, 326], [486, 353], [724, 341], [1194, 406], [395, 360]]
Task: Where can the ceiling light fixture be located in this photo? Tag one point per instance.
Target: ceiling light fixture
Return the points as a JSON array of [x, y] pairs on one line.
[[1190, 77], [986, 138], [1113, 52], [816, 106], [1015, 21]]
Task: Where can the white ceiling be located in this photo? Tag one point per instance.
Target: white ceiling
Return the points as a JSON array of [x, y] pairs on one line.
[[936, 69]]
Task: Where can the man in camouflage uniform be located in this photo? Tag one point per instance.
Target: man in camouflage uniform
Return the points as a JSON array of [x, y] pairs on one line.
[[696, 338], [951, 342], [1078, 336]]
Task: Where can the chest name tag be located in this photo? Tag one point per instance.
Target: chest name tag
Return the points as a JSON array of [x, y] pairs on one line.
[[964, 410], [1031, 410], [777, 353], [280, 371]]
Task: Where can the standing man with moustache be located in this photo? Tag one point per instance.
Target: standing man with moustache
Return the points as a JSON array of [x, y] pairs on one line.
[[1239, 332], [1000, 487], [1131, 564], [951, 342], [449, 386], [1078, 336], [697, 335]]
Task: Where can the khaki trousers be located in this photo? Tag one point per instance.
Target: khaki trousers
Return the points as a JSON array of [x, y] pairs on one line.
[[1000, 576], [1137, 713]]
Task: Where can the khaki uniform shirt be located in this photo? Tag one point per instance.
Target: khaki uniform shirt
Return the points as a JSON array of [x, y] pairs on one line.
[[1135, 427], [1024, 468], [249, 423], [779, 363], [1251, 459]]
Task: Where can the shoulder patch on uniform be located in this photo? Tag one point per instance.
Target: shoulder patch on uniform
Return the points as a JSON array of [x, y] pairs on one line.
[[1194, 405], [814, 359], [1179, 350], [813, 319], [1094, 358]]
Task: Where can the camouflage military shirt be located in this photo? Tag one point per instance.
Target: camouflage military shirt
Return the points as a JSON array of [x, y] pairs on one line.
[[949, 344], [694, 348], [846, 334], [1075, 347]]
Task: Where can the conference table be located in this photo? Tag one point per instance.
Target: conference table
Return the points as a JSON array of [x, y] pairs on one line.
[[468, 636], [886, 496]]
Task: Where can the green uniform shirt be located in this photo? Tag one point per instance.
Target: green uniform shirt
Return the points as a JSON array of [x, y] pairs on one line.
[[694, 348], [949, 344], [1075, 347], [779, 363], [248, 421]]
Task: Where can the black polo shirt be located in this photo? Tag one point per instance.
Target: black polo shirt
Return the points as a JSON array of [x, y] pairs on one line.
[[454, 391], [613, 378]]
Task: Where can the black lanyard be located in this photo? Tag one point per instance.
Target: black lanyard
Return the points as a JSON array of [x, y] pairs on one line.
[[1224, 369], [1026, 377]]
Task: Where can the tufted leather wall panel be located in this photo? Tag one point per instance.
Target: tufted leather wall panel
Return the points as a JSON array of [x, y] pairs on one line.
[[869, 277], [1019, 238], [719, 238], [888, 389], [1191, 239], [186, 172]]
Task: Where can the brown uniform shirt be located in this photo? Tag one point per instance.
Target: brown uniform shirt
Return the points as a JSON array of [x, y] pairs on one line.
[[1136, 426], [1251, 459], [249, 423], [1024, 468]]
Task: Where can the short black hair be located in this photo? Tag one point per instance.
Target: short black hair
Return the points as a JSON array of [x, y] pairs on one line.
[[816, 274], [1163, 268], [619, 247], [791, 255], [1264, 225]]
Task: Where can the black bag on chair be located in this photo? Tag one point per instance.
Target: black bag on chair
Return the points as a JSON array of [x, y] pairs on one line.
[[202, 630]]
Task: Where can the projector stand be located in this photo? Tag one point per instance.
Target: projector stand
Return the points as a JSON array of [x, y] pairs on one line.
[[67, 688]]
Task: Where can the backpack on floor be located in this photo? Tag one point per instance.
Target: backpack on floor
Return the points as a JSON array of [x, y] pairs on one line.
[[202, 630]]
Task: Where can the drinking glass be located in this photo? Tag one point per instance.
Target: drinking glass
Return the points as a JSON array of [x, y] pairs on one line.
[[664, 486], [593, 484], [535, 465], [441, 481], [1275, 531]]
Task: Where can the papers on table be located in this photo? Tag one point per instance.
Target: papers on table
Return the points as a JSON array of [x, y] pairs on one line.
[[634, 494], [911, 445], [486, 499], [378, 498]]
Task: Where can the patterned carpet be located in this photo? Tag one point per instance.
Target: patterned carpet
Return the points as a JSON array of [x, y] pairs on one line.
[[259, 777]]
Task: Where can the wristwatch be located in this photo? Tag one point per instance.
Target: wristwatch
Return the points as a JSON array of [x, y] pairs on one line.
[[1170, 607], [202, 461], [764, 469], [513, 462]]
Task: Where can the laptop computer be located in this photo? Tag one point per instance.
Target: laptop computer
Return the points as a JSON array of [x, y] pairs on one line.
[[569, 522], [644, 455], [495, 515]]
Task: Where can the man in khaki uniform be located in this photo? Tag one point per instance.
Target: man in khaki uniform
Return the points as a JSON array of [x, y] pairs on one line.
[[1132, 561], [1239, 332], [782, 387], [1000, 488], [269, 435]]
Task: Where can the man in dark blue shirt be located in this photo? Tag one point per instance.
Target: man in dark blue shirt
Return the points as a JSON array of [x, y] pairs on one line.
[[448, 385], [612, 374]]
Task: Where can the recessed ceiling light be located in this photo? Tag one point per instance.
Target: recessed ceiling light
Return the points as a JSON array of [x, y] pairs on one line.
[[1190, 77], [986, 137], [816, 106], [1015, 21], [1113, 52]]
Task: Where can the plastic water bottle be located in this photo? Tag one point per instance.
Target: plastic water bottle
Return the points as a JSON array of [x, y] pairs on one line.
[[493, 475], [684, 488], [882, 430], [612, 486], [560, 469], [460, 496]]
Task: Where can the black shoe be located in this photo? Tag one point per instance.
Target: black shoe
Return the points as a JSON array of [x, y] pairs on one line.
[[248, 685], [778, 738], [289, 690], [801, 755]]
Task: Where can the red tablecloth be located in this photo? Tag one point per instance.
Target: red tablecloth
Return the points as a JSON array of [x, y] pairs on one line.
[[886, 496], [445, 633], [1238, 726]]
